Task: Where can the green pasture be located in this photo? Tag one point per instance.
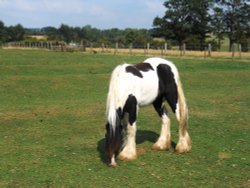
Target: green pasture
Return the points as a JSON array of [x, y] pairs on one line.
[[52, 117]]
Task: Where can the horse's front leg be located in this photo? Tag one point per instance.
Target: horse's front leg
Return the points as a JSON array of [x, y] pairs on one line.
[[129, 150]]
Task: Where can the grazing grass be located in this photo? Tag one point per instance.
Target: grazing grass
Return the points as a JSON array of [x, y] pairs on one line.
[[52, 115]]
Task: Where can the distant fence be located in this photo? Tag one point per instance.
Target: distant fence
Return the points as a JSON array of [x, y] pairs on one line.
[[207, 52], [53, 46]]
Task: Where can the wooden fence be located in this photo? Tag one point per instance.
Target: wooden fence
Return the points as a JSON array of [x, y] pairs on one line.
[[130, 50]]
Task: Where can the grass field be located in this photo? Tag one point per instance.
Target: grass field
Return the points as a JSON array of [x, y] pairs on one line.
[[52, 116]]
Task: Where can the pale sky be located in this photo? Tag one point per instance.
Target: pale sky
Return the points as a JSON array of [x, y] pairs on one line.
[[102, 14]]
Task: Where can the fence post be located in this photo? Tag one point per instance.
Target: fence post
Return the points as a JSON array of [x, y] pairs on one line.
[[130, 48], [240, 50], [116, 48], [205, 52], [184, 48], [82, 48], [209, 50], [148, 46], [232, 51], [102, 47], [91, 47], [52, 46], [165, 48]]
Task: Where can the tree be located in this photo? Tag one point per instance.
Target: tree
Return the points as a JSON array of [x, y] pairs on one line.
[[174, 24], [236, 17], [15, 33], [217, 24], [66, 32], [184, 19], [199, 19], [3, 33], [130, 35], [52, 33]]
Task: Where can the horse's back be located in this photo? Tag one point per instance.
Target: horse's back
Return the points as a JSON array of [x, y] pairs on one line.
[[140, 80], [156, 61]]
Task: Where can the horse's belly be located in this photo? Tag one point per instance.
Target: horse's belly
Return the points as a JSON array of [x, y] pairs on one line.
[[148, 90], [147, 99]]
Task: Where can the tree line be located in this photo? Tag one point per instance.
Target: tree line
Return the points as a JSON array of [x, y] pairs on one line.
[[194, 23], [79, 35]]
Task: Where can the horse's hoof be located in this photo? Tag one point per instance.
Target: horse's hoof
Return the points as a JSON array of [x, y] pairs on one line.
[[184, 145], [113, 165], [183, 148], [161, 147], [127, 157]]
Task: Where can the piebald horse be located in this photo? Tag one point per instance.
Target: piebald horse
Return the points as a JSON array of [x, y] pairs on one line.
[[131, 86]]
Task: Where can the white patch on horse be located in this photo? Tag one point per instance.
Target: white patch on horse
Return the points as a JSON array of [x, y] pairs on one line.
[[147, 88]]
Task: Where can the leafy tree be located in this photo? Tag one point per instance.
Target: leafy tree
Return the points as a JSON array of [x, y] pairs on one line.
[[91, 34], [52, 33], [199, 19], [217, 24], [184, 19], [3, 33], [66, 32], [15, 33], [130, 35], [236, 17], [175, 23]]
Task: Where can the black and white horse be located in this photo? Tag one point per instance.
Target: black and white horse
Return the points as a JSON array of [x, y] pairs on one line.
[[132, 86]]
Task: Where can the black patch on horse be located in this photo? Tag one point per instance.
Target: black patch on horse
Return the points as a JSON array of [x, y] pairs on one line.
[[135, 69], [130, 107], [145, 67], [160, 109], [167, 87], [119, 113]]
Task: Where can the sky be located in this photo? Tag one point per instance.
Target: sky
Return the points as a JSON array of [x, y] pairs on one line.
[[102, 14]]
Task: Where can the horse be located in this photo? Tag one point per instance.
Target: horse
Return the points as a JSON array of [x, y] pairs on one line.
[[136, 85]]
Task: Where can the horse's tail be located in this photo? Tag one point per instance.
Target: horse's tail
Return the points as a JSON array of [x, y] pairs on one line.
[[182, 108], [114, 114], [184, 144], [111, 106]]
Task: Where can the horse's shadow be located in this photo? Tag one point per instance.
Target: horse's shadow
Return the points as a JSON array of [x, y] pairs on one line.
[[141, 137]]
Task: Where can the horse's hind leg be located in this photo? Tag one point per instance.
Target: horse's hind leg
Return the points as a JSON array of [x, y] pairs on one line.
[[164, 141]]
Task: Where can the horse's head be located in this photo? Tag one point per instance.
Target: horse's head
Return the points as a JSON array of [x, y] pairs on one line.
[[113, 142]]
